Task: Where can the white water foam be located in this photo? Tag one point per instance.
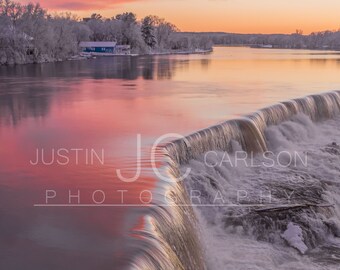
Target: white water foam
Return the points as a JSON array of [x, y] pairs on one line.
[[293, 235], [303, 197]]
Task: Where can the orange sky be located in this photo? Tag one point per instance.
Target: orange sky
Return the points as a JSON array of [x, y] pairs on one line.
[[242, 16]]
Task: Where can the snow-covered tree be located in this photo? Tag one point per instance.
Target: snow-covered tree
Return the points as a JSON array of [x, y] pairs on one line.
[[128, 24], [148, 31], [163, 31], [156, 32]]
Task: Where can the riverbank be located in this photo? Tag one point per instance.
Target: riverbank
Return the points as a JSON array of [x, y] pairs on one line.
[[196, 51], [28, 60]]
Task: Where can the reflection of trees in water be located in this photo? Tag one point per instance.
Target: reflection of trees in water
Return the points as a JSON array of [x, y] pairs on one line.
[[205, 63], [165, 69], [31, 102], [157, 68], [320, 61], [147, 65], [119, 67], [27, 90], [114, 68]]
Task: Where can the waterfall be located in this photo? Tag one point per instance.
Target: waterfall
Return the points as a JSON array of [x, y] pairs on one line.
[[175, 237], [248, 131]]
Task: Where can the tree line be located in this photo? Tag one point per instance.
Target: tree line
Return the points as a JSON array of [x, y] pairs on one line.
[[323, 40], [28, 34]]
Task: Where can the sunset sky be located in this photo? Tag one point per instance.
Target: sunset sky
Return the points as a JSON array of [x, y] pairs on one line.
[[241, 16]]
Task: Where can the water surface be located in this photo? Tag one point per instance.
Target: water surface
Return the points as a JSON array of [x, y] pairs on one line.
[[102, 104]]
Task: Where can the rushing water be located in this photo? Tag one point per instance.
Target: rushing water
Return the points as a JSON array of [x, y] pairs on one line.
[[282, 190], [100, 105]]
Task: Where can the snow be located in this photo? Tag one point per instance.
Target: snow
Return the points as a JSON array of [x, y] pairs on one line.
[[293, 235]]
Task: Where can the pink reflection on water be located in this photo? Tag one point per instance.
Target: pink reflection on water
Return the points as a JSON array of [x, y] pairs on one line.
[[108, 113]]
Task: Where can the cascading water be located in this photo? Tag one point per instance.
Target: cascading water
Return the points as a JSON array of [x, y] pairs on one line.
[[249, 130], [309, 222]]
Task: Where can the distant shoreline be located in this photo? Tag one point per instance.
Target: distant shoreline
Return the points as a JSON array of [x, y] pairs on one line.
[[277, 48]]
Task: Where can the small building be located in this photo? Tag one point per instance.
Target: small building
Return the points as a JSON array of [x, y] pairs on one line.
[[103, 48]]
